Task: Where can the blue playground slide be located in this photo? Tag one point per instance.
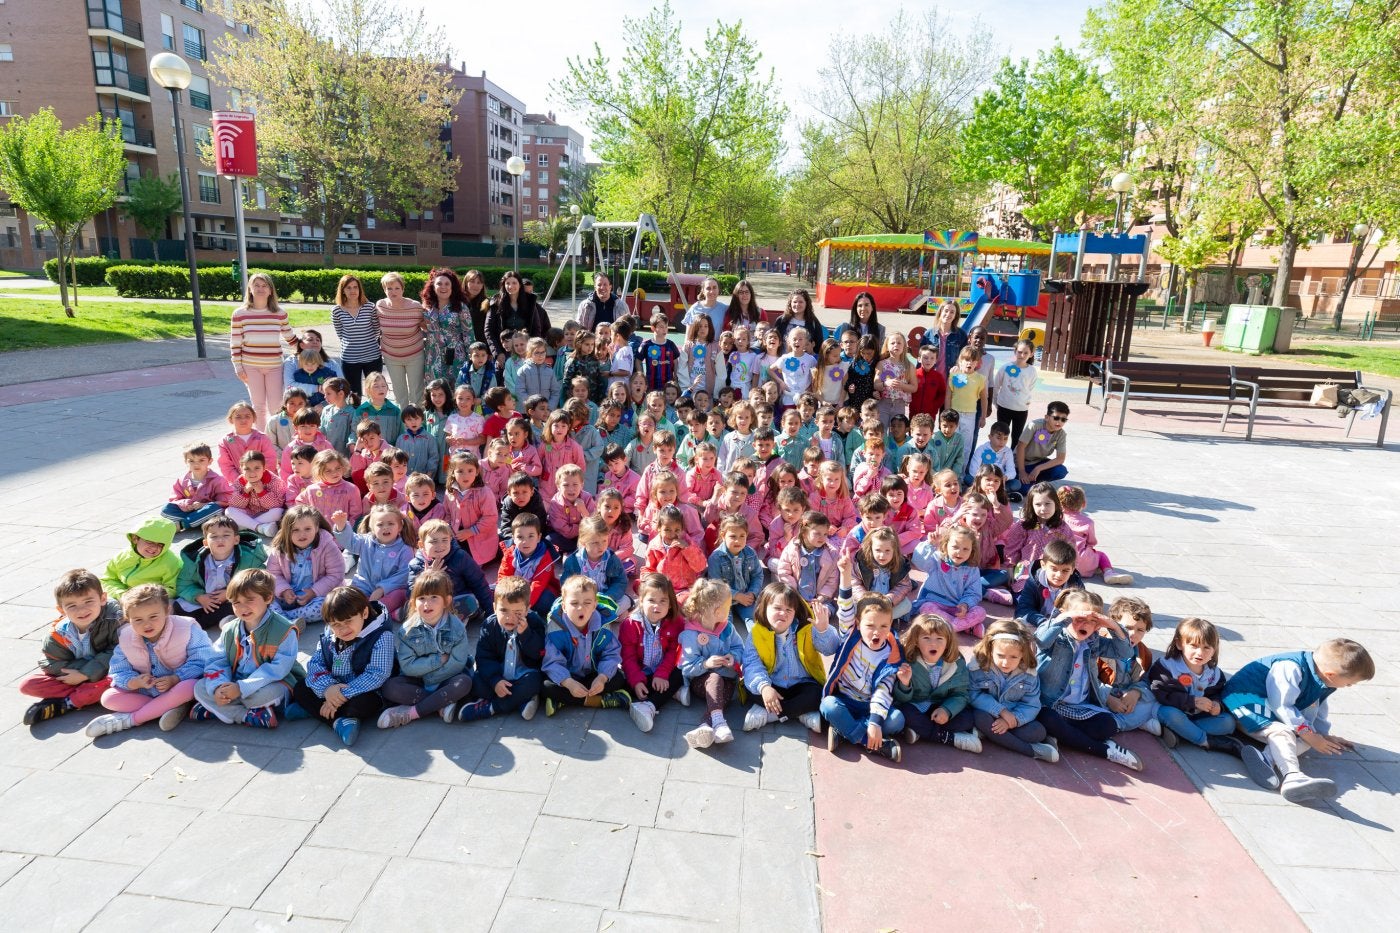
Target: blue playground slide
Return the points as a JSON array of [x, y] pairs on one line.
[[985, 291]]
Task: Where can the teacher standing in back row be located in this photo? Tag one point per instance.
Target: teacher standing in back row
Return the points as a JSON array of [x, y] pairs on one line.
[[401, 338]]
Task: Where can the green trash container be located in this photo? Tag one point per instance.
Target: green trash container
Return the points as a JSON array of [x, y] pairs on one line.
[[1252, 328]]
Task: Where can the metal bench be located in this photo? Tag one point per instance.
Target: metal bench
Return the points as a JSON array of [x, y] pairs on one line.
[[1152, 381], [1292, 388]]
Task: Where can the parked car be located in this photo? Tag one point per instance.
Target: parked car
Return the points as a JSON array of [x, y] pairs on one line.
[[705, 267]]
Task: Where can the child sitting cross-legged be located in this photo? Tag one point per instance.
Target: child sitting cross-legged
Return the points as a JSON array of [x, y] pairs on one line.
[[434, 655], [349, 665], [1129, 698], [1005, 691], [1036, 602], [783, 670], [582, 658], [931, 686], [158, 659], [438, 551], [306, 563], [383, 552], [711, 659], [953, 588], [509, 656], [651, 649], [595, 560], [200, 494], [77, 650], [672, 554], [1188, 685], [1091, 560], [207, 566], [858, 695], [881, 568], [254, 666]]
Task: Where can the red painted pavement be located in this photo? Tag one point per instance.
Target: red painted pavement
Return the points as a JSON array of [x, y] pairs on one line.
[[947, 840], [81, 386]]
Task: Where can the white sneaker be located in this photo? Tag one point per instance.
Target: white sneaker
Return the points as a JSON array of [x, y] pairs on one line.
[[395, 716], [1044, 751], [643, 714], [1115, 577], [267, 530], [109, 723], [723, 733], [173, 717], [968, 742], [448, 712], [528, 711], [1123, 756], [683, 693], [811, 720], [757, 717], [1152, 727], [702, 736]]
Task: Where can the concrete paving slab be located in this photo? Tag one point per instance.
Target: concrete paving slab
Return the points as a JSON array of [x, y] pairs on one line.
[[224, 858]]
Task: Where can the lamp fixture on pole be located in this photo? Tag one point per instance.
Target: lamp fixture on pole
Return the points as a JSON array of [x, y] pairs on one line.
[[170, 72], [516, 166]]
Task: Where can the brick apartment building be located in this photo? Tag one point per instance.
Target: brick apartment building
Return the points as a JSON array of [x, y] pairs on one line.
[[551, 151]]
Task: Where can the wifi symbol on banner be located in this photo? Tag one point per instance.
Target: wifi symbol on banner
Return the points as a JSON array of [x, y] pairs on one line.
[[224, 135]]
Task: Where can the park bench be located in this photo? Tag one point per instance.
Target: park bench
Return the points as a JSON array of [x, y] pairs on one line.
[[1148, 380], [1292, 388]]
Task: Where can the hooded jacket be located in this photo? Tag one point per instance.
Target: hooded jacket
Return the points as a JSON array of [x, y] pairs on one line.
[[569, 652], [247, 553], [128, 568]]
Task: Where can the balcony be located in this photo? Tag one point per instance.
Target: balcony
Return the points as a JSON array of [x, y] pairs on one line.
[[133, 136], [195, 50], [106, 23], [264, 243], [123, 83], [195, 5], [201, 100]]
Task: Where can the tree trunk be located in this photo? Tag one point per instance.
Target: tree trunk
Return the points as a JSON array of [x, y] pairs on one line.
[[1349, 279], [1286, 255], [328, 238], [61, 242]]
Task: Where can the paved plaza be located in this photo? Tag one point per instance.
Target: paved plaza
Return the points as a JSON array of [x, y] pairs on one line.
[[579, 822]]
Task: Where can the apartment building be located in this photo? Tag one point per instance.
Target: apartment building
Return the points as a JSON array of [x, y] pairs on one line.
[[551, 151]]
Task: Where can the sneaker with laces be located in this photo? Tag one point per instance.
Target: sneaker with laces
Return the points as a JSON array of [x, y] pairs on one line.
[[889, 748], [1044, 751], [643, 715], [395, 716], [968, 742], [109, 723], [833, 739], [173, 717], [348, 728], [474, 710], [702, 736], [1152, 727], [683, 693], [528, 711], [723, 733], [261, 718], [1115, 577], [47, 709], [756, 718], [812, 720], [448, 713], [615, 699], [201, 713], [1297, 787], [1123, 756]]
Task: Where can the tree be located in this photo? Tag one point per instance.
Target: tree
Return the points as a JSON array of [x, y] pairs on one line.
[[672, 124], [350, 107], [1262, 84], [1053, 132], [151, 202], [61, 178], [1199, 245], [552, 233], [881, 154]]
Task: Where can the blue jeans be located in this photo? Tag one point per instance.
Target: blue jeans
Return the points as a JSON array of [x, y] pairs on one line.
[[991, 578], [1052, 475], [851, 717], [1195, 728], [741, 616], [465, 606], [1146, 708], [192, 519]]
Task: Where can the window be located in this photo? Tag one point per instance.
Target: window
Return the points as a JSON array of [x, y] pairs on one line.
[[199, 93], [202, 137], [7, 108], [208, 188], [195, 5], [544, 210], [528, 176], [7, 53], [194, 42], [525, 192], [262, 198], [544, 178], [167, 31], [544, 158]]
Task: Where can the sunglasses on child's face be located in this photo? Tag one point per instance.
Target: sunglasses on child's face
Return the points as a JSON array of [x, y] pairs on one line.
[[1058, 418]]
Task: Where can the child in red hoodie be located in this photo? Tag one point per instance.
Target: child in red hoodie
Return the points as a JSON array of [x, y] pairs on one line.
[[650, 649]]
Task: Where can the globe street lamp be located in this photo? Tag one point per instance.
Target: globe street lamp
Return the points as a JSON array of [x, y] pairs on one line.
[[1121, 184], [170, 72], [516, 166]]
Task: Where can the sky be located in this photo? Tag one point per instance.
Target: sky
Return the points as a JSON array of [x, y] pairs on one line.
[[792, 36]]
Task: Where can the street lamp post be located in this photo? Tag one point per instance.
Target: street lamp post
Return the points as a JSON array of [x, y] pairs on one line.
[[170, 72], [1121, 184], [744, 248], [516, 166], [575, 246]]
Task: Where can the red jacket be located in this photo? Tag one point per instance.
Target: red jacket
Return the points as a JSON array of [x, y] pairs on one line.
[[931, 394], [543, 583], [629, 632]]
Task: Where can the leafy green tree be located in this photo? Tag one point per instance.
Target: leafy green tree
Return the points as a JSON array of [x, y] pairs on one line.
[[1053, 132], [672, 123], [151, 202], [351, 97], [882, 152], [552, 233]]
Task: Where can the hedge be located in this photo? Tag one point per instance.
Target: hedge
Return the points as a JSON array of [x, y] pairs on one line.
[[92, 270], [654, 281]]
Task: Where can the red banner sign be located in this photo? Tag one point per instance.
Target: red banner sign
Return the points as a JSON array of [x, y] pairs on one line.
[[235, 144]]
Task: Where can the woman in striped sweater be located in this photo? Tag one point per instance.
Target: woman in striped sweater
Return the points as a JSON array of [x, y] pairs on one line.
[[356, 323], [401, 339], [256, 333]]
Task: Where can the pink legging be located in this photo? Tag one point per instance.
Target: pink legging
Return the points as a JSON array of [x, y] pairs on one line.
[[1091, 561], [143, 708], [264, 391], [976, 615]]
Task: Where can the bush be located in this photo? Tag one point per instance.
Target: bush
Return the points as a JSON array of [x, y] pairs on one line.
[[92, 270], [659, 282]]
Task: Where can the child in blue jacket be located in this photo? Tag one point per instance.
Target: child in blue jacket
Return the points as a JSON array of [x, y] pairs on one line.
[[712, 656], [582, 657], [434, 655], [1036, 601], [595, 560], [737, 564], [1006, 691]]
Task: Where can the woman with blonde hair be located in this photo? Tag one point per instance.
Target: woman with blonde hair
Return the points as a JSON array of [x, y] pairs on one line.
[[401, 339], [257, 331]]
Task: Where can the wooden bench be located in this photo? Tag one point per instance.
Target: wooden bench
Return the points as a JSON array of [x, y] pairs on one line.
[[1182, 382], [1292, 388]]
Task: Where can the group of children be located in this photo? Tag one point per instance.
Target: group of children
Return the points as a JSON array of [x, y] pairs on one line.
[[658, 535]]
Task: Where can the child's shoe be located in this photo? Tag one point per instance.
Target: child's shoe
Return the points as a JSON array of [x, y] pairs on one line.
[[1123, 756], [348, 728], [109, 723], [448, 713], [173, 717], [702, 736], [47, 709], [1299, 788], [889, 748], [643, 715], [968, 742], [1168, 737], [477, 709], [550, 707], [528, 711], [615, 699], [395, 716], [261, 718], [812, 720], [268, 530], [978, 630], [293, 712], [1152, 727], [757, 717], [683, 693], [1013, 496], [833, 739], [1223, 743], [1044, 751], [201, 713], [910, 736], [1259, 767], [999, 595], [1115, 577], [723, 733]]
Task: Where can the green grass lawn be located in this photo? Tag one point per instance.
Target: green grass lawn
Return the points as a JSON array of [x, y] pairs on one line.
[[103, 291], [8, 274], [1383, 361], [28, 324]]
